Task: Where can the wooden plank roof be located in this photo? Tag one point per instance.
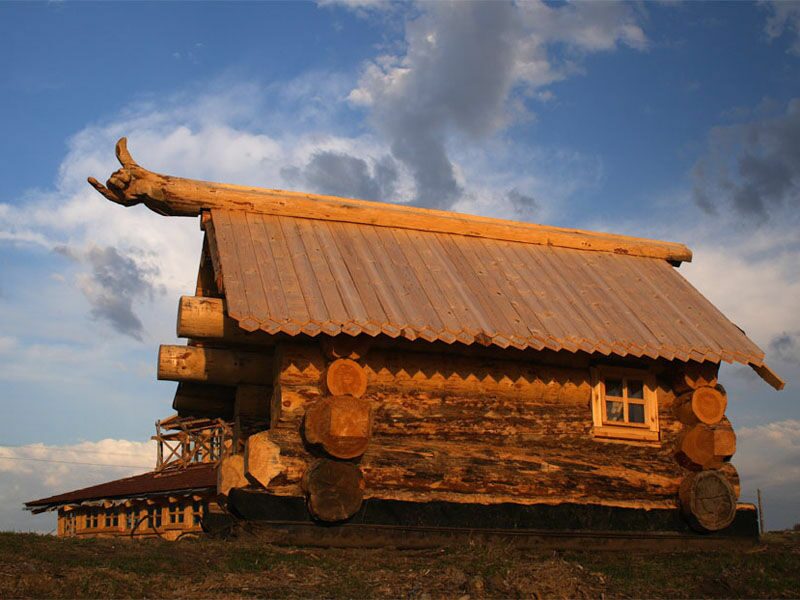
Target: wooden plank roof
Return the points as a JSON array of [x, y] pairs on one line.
[[312, 276]]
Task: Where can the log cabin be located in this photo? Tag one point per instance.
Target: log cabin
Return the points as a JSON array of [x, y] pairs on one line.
[[387, 365]]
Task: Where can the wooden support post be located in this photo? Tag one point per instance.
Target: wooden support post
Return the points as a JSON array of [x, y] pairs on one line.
[[214, 365]]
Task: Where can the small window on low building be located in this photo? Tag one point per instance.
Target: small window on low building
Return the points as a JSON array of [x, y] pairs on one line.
[[197, 513], [130, 519], [154, 517], [624, 404], [175, 514]]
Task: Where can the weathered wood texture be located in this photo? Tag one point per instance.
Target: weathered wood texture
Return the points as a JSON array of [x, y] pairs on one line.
[[334, 490], [706, 446], [251, 411], [694, 375], [708, 500], [340, 425], [203, 400], [476, 430], [704, 404], [205, 319], [230, 474], [345, 377], [214, 365], [132, 184]]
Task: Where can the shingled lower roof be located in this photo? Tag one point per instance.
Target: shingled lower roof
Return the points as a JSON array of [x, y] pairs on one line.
[[195, 477], [311, 276]]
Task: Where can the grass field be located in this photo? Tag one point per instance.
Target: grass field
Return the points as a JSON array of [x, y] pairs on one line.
[[44, 566]]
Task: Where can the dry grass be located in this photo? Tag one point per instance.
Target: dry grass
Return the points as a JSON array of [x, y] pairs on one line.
[[43, 566]]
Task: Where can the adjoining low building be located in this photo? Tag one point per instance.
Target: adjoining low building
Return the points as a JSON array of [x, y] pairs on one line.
[[400, 367], [169, 502]]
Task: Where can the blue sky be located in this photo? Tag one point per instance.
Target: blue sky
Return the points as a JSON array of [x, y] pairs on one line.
[[671, 120]]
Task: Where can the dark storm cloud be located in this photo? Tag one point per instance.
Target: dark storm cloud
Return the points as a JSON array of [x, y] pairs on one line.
[[341, 174], [524, 206], [112, 284], [753, 168], [787, 347]]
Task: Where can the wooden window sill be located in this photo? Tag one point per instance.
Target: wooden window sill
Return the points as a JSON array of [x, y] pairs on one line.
[[622, 433]]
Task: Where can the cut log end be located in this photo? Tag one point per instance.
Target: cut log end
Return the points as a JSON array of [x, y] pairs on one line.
[[340, 424], [706, 446], [262, 459], [708, 501], [230, 474], [705, 405], [334, 490], [345, 377]]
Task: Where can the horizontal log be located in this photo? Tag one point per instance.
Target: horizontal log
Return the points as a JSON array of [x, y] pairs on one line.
[[334, 490], [704, 404], [390, 372], [345, 377], [546, 471], [214, 365], [707, 500], [706, 446], [203, 400], [166, 195], [340, 424], [206, 319]]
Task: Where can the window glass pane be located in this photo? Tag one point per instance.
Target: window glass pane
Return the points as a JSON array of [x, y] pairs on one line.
[[636, 389], [614, 411], [614, 387], [635, 413]]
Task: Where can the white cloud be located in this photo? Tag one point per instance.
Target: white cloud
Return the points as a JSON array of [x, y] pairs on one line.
[[37, 471], [768, 458], [783, 17], [462, 70]]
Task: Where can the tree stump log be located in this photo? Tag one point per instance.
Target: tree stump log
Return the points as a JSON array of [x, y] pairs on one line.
[[704, 405], [706, 446], [340, 424], [708, 501], [334, 490], [345, 377]]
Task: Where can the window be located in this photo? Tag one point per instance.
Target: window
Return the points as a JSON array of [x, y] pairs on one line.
[[175, 514], [154, 517], [624, 404], [130, 519], [111, 518], [197, 513], [92, 519]]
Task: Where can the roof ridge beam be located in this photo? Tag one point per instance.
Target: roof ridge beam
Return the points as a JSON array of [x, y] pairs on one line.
[[175, 196]]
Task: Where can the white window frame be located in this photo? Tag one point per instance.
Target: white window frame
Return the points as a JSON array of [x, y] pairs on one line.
[[615, 430]]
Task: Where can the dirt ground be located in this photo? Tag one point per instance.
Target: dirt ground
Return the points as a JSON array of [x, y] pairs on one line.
[[35, 566]]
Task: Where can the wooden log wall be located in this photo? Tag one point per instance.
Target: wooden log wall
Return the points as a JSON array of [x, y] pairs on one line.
[[465, 429], [710, 486]]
